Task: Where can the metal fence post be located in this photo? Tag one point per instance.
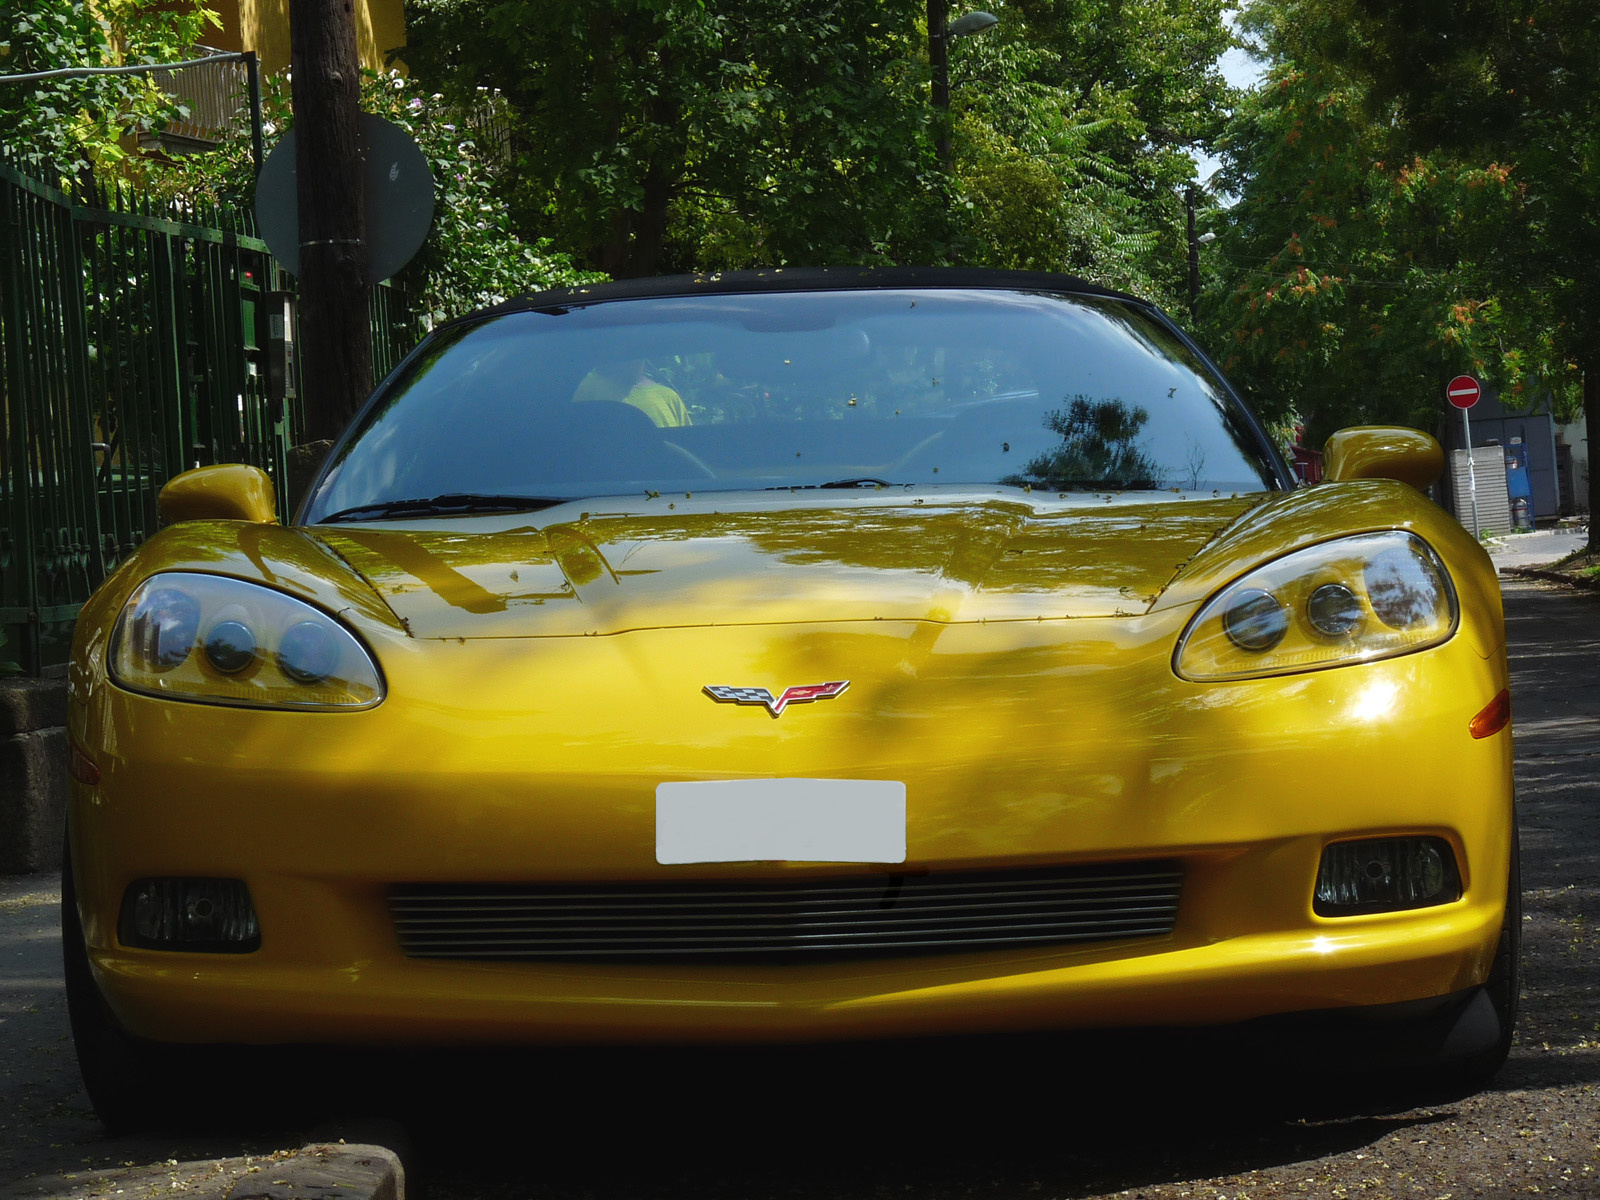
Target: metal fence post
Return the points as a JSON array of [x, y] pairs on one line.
[[19, 608], [129, 333]]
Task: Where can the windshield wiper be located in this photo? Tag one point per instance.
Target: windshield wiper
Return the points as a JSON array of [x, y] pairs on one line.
[[861, 481], [1084, 485], [449, 502]]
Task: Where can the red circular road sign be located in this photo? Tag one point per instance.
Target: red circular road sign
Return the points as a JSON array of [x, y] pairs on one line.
[[1463, 391]]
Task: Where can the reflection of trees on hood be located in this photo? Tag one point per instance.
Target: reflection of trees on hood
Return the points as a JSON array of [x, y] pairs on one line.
[[1098, 446]]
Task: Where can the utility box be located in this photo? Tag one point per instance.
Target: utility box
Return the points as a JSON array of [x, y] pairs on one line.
[[1518, 487], [282, 370], [1494, 504]]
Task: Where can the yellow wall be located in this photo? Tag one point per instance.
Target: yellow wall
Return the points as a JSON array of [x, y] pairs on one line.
[[263, 26]]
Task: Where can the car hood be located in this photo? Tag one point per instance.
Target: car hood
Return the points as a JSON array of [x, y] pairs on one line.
[[604, 567]]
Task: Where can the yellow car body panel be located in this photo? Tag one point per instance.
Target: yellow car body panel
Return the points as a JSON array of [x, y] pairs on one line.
[[1010, 661]]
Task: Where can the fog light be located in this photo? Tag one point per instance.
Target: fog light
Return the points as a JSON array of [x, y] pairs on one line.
[[202, 915], [1386, 874]]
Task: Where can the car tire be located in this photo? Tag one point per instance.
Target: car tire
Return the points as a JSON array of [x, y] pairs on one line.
[[132, 1083], [1465, 1062]]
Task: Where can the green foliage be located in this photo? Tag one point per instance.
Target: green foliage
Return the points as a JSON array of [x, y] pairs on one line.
[[659, 135], [1361, 269], [667, 134], [1507, 81], [72, 128], [1104, 100], [472, 258]]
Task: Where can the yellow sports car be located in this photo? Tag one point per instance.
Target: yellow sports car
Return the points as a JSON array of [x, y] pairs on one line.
[[784, 656]]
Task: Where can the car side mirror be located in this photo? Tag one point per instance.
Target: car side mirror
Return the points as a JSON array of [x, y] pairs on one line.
[[1383, 452], [225, 492]]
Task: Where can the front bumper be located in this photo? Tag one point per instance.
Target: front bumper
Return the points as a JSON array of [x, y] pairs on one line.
[[1021, 744]]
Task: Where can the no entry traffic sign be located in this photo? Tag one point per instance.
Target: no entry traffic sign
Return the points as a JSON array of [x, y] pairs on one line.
[[1463, 391]]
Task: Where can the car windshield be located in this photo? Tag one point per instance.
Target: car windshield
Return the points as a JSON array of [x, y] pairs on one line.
[[867, 388]]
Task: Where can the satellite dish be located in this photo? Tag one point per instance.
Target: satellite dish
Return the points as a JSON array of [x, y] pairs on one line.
[[398, 199]]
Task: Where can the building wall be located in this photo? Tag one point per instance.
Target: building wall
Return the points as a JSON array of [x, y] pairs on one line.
[[263, 26]]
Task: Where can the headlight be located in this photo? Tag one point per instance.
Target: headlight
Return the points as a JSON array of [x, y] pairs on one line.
[[1347, 601], [216, 640]]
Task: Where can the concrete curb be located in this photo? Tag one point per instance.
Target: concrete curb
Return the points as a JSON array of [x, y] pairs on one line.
[[320, 1171], [33, 774], [1577, 581], [328, 1171]]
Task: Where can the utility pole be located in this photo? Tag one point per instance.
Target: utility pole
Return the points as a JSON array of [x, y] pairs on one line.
[[335, 333], [939, 60], [940, 30], [1591, 421], [1194, 252]]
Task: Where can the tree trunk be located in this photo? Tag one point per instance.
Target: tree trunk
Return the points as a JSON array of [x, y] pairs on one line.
[[1591, 421], [650, 238], [335, 330]]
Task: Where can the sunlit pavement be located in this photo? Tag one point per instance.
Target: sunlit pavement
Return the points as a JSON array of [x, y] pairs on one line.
[[1537, 549], [1029, 1119]]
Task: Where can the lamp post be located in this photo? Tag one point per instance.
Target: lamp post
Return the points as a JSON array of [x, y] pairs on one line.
[[1204, 239], [940, 30]]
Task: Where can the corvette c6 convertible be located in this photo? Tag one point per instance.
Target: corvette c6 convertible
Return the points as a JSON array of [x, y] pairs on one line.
[[793, 656]]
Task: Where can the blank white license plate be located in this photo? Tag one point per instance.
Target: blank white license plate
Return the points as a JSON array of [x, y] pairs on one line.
[[786, 820]]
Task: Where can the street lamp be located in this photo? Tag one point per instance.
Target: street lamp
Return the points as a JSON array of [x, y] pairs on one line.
[[973, 22], [940, 31]]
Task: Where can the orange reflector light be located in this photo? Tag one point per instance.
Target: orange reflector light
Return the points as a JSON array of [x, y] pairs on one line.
[[1495, 716], [81, 767]]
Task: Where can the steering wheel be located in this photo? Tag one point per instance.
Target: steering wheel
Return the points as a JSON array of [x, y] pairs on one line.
[[692, 459]]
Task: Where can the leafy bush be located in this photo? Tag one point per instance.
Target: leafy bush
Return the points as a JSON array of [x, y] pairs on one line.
[[70, 129], [472, 256]]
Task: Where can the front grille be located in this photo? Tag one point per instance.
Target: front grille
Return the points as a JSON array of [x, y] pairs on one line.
[[791, 919]]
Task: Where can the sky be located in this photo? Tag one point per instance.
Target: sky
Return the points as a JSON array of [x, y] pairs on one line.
[[1242, 71]]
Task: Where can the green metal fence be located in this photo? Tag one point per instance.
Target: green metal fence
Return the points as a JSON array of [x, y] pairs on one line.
[[136, 341]]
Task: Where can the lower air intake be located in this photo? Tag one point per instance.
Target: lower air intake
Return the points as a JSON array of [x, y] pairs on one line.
[[793, 919]]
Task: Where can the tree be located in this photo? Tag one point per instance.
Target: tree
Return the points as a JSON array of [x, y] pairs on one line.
[[707, 134], [1105, 98], [1359, 269], [1504, 85], [661, 134]]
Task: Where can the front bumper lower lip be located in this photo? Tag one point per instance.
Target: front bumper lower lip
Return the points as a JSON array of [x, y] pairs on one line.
[[194, 998]]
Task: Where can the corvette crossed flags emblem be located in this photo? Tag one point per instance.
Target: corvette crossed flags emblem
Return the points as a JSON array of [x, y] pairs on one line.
[[803, 694]]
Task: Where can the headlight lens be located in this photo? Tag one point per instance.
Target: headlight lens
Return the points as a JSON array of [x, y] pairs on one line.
[[216, 640], [1353, 600]]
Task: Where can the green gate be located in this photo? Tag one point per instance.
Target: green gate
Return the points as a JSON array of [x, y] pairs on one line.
[[136, 341]]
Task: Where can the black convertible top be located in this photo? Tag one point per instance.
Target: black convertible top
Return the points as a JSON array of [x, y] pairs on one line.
[[806, 279]]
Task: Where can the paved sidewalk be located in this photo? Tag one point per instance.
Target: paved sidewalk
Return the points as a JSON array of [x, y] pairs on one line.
[[1536, 549]]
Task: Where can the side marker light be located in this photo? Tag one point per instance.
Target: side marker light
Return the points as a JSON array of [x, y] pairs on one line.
[[80, 767], [1495, 716]]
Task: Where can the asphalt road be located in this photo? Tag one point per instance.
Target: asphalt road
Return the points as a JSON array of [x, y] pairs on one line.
[[1150, 1114]]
